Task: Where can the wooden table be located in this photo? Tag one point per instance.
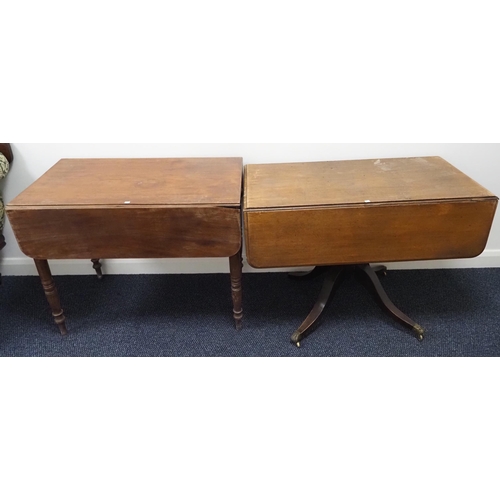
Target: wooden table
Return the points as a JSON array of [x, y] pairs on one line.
[[343, 215], [132, 208]]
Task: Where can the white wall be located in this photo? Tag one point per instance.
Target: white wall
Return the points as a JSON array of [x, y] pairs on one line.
[[479, 161]]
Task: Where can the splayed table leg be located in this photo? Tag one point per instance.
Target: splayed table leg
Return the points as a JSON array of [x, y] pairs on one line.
[[332, 279], [388, 304]]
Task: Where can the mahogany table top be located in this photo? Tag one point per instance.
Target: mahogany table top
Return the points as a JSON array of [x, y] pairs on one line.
[[286, 185], [137, 181]]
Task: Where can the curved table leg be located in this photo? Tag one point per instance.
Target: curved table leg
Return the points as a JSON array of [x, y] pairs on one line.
[[331, 279], [98, 268], [388, 304], [235, 267], [49, 287]]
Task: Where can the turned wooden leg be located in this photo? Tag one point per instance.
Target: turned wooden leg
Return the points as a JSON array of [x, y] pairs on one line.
[[331, 280], [97, 266], [50, 290], [387, 303], [235, 268]]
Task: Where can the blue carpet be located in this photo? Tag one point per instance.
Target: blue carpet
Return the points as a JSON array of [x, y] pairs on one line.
[[191, 315]]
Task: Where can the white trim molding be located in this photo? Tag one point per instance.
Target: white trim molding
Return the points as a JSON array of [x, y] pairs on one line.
[[24, 266]]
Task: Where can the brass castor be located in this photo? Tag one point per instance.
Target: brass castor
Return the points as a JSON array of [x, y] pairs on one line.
[[419, 332], [296, 338]]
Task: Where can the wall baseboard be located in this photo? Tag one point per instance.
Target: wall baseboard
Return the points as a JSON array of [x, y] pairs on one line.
[[23, 266]]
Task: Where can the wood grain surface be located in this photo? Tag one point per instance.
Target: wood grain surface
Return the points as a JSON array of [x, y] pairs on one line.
[[356, 181], [360, 234], [136, 181], [360, 211], [127, 232]]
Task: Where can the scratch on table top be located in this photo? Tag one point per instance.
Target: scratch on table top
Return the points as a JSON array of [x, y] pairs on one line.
[[383, 165]]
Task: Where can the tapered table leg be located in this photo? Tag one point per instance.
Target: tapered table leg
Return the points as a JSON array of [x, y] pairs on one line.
[[388, 304], [235, 268], [331, 279], [50, 290], [97, 267]]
